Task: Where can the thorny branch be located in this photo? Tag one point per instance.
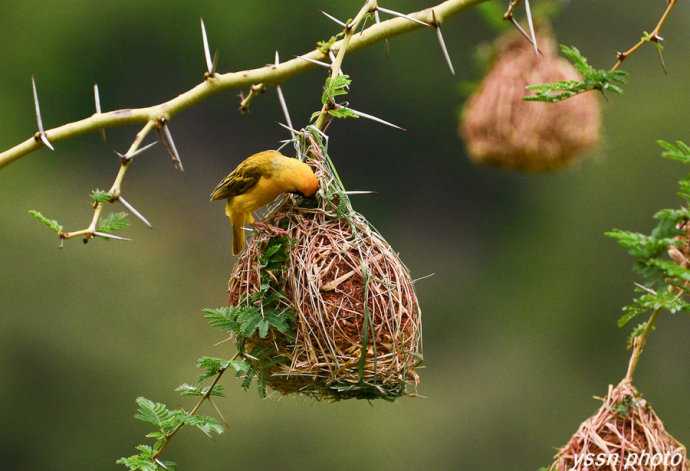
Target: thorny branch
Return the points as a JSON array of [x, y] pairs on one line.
[[216, 82], [653, 37], [639, 343]]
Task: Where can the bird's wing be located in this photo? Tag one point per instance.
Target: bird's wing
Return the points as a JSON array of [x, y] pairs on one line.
[[241, 180]]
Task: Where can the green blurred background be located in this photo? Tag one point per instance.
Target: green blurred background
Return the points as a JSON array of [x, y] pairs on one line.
[[519, 319]]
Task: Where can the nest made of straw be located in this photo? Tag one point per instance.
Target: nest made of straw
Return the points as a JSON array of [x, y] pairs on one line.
[[500, 128], [625, 430], [357, 324]]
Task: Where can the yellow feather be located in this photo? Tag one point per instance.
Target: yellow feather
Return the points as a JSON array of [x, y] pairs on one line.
[[257, 181]]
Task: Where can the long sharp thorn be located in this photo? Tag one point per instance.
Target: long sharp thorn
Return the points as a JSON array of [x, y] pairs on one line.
[[39, 120], [360, 192], [134, 211], [46, 142], [442, 43], [288, 128], [522, 31], [167, 139], [137, 152], [97, 100], [530, 24], [333, 18], [161, 464], [402, 15], [106, 235], [142, 150], [373, 118], [314, 61], [207, 50], [387, 44], [281, 97]]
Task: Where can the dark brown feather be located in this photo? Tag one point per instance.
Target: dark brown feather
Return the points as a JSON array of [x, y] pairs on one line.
[[241, 180]]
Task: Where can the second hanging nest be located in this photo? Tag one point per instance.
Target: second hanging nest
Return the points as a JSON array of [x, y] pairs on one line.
[[348, 319]]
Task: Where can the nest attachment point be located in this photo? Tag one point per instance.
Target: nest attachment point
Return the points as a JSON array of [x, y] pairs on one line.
[[356, 319], [501, 129], [625, 433]]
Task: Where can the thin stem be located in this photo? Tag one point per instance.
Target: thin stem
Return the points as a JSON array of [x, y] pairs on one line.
[[194, 410], [270, 74], [655, 36], [336, 66], [116, 188], [639, 344]]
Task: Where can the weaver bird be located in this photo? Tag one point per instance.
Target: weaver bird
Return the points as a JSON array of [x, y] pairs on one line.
[[257, 181]]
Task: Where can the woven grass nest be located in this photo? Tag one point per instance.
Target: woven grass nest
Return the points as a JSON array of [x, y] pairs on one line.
[[500, 128], [626, 428], [356, 319]]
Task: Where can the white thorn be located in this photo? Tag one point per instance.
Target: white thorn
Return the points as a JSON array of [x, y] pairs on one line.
[[360, 192], [169, 143], [442, 43], [289, 128], [134, 211], [402, 15], [97, 98], [314, 61], [373, 118], [39, 120], [530, 23], [207, 50], [46, 142], [106, 235], [333, 18]]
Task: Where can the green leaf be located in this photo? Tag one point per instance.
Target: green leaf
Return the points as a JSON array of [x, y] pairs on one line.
[[51, 223], [335, 87], [250, 322], [263, 328], [157, 414], [208, 425], [223, 318], [679, 151], [143, 461], [343, 112], [640, 245], [649, 300], [192, 390], [211, 366], [113, 222], [101, 196], [592, 79]]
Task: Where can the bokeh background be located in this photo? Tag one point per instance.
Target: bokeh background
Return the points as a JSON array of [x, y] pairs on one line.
[[519, 318]]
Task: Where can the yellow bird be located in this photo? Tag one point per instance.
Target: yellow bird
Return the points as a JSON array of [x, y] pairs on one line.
[[257, 181]]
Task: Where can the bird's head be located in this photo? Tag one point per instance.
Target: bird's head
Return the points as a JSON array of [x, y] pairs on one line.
[[303, 179]]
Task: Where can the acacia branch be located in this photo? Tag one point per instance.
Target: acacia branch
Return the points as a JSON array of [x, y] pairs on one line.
[[215, 83], [639, 343], [654, 36]]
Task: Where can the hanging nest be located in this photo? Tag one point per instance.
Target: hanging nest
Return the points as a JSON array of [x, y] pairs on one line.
[[625, 430], [501, 129], [356, 325]]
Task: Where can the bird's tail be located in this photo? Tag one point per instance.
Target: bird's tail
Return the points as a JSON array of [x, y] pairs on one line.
[[238, 235]]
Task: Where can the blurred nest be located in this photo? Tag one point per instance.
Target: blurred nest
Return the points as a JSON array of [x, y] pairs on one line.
[[625, 430], [500, 128], [357, 324]]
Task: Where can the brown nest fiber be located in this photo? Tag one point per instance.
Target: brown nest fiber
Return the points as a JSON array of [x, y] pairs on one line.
[[500, 128], [625, 433], [357, 324]]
